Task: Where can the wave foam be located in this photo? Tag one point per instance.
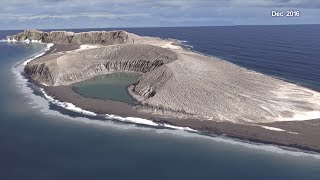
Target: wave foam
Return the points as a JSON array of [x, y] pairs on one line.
[[184, 44], [147, 122], [38, 55], [66, 105], [28, 41], [11, 40]]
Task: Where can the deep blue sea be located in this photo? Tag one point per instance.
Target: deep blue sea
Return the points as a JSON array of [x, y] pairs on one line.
[[37, 142]]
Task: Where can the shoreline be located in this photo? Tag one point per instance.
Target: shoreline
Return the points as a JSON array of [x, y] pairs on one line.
[[209, 128], [157, 121], [217, 129]]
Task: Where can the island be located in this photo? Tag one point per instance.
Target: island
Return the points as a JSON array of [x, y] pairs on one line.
[[177, 86]]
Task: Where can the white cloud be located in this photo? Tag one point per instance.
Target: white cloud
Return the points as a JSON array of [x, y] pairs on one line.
[[67, 16], [93, 13]]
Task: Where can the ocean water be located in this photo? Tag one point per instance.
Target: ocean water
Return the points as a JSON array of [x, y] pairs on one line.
[[109, 86], [38, 142]]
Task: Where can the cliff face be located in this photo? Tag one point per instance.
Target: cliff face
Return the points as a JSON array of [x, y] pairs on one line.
[[143, 89], [63, 37], [67, 68], [40, 72]]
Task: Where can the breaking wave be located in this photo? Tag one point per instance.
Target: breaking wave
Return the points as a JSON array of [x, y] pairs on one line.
[[185, 44]]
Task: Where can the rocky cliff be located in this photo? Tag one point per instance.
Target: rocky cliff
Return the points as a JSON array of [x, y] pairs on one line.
[[64, 37], [69, 67]]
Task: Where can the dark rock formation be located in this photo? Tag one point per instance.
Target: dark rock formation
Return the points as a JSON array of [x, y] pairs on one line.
[[39, 72], [66, 68], [63, 37]]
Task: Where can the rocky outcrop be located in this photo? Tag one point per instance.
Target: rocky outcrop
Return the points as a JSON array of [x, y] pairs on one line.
[[64, 37], [151, 82], [40, 72], [69, 67]]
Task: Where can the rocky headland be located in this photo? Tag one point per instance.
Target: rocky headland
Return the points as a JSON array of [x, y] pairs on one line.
[[178, 86]]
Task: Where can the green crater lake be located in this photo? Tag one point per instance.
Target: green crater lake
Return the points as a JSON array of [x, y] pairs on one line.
[[109, 86]]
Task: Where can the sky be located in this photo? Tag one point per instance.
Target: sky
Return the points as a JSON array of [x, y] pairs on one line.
[[68, 14]]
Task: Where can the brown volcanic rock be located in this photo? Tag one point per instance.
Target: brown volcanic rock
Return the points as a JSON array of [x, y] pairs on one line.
[[64, 37], [69, 67]]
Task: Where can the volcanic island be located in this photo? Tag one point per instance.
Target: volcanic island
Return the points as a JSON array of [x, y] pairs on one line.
[[177, 86]]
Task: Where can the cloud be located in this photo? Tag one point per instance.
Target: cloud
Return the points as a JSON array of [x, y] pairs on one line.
[[194, 3], [124, 13], [67, 16], [171, 3], [279, 3]]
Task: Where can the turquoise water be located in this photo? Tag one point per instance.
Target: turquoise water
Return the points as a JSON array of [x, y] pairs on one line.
[[109, 86]]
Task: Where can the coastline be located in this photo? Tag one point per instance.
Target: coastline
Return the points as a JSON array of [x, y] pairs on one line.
[[254, 134], [242, 132]]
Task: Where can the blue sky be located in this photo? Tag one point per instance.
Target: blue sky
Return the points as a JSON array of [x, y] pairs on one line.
[[61, 14]]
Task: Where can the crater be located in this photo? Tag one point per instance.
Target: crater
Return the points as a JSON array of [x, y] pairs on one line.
[[111, 86]]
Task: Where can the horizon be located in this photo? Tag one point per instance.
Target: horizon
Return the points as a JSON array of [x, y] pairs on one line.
[[120, 28], [80, 14]]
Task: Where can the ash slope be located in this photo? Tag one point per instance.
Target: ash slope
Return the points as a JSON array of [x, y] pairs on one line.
[[176, 82]]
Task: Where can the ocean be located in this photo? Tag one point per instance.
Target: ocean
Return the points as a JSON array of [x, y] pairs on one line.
[[39, 142]]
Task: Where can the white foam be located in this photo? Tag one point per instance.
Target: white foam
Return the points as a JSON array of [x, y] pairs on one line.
[[66, 105], [36, 41], [49, 45], [40, 54], [184, 43], [272, 128], [10, 40], [147, 122], [131, 119], [28, 41], [179, 128]]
